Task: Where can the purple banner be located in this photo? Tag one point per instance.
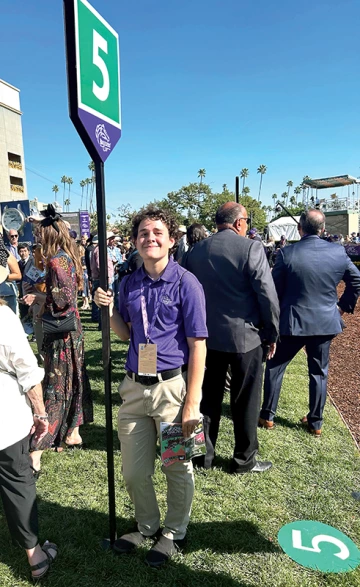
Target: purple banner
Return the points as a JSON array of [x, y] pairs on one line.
[[103, 135], [85, 223]]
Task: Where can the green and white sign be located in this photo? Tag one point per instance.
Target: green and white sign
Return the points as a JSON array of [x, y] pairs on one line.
[[319, 546], [94, 75]]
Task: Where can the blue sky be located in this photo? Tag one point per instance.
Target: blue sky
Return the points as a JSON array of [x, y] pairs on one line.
[[212, 84]]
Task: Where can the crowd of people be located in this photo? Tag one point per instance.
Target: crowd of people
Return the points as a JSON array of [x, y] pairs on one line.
[[201, 311]]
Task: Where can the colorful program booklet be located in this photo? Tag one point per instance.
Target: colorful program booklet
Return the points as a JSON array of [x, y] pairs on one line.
[[174, 447], [34, 275]]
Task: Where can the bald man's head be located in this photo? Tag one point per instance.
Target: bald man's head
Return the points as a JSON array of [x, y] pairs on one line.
[[229, 212], [312, 222]]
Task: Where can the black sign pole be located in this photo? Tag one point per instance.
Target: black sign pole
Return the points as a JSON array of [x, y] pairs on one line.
[[69, 18], [105, 333], [237, 189]]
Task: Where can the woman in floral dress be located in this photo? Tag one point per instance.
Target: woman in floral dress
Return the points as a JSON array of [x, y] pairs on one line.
[[67, 392]]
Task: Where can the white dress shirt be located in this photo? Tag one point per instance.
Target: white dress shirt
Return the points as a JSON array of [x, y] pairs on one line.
[[16, 357]]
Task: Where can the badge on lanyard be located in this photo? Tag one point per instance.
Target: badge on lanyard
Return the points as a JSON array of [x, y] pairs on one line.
[[147, 353], [147, 364]]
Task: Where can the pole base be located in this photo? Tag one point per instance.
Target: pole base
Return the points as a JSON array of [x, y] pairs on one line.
[[106, 544]]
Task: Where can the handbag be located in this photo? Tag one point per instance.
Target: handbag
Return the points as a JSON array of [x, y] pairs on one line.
[[52, 325]]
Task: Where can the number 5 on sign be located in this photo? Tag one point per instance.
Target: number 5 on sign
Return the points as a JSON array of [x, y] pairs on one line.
[[296, 538], [102, 93], [319, 546]]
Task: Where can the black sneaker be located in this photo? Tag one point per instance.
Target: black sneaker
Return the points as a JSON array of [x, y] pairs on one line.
[[163, 550], [128, 542]]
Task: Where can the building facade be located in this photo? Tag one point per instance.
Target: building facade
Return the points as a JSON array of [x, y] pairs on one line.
[[12, 163]]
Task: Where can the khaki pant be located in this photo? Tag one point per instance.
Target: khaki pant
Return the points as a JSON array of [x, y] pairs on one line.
[[139, 420]]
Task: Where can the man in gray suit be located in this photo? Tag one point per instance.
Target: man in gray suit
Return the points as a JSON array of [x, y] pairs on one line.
[[242, 314], [306, 276]]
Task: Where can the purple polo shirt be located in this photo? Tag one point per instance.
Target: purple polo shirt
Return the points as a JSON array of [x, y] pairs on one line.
[[181, 314]]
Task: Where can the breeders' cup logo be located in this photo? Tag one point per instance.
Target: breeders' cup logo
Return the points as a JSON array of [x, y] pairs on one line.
[[102, 137]]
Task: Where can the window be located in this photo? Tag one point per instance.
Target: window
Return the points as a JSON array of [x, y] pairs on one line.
[[14, 161], [16, 184]]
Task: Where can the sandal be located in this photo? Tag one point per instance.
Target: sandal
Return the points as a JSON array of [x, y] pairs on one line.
[[56, 448], [45, 564], [76, 445]]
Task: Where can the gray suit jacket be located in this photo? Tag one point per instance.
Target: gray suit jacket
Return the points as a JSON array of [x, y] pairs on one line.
[[306, 276], [241, 300]]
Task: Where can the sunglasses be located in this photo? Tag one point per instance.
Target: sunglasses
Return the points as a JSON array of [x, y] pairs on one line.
[[14, 235], [247, 220]]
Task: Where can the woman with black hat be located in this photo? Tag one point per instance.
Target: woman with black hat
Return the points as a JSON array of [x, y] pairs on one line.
[[66, 385]]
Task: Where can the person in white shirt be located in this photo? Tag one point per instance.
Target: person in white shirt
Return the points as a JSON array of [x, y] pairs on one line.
[[22, 413]]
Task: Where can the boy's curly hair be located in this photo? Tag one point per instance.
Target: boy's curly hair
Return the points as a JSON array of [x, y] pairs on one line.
[[154, 213]]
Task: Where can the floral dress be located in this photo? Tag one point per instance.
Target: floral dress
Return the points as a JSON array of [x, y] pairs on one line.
[[67, 392]]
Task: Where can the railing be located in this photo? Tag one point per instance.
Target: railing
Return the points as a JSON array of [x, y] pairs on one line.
[[338, 204], [15, 165], [17, 188]]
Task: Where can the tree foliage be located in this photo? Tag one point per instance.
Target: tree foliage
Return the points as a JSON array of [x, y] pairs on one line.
[[258, 211]]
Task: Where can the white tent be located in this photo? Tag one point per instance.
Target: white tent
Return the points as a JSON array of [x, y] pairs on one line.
[[284, 225]]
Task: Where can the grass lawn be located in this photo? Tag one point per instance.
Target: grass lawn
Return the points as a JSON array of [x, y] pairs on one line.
[[232, 537]]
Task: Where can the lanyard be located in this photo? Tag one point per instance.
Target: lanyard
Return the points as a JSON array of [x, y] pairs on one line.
[[148, 327]]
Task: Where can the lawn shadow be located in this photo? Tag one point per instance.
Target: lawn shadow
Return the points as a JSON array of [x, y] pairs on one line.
[[286, 423], [222, 463], [94, 437], [98, 396], [228, 537], [226, 409], [82, 562]]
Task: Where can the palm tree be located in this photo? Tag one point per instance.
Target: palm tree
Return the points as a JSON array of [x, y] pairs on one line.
[[64, 181], [288, 185], [82, 185], [91, 166], [55, 189], [275, 198], [87, 181], [244, 174], [284, 196], [305, 187], [67, 204], [201, 174], [262, 169], [297, 191], [225, 187], [69, 181], [92, 182], [293, 201]]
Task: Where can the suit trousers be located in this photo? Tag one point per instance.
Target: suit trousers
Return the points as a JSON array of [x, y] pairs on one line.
[[317, 349], [245, 396], [18, 493], [143, 408]]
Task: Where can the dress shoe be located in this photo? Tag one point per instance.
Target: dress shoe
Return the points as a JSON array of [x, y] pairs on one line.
[[163, 550], [267, 424], [313, 431], [259, 467]]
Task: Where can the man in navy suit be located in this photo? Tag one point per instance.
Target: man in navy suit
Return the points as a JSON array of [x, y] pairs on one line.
[[306, 276]]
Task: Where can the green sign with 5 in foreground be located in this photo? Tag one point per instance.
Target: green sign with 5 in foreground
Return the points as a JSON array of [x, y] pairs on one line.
[[319, 547]]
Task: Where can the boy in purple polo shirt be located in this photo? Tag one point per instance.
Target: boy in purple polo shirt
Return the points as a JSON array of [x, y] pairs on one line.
[[161, 308]]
